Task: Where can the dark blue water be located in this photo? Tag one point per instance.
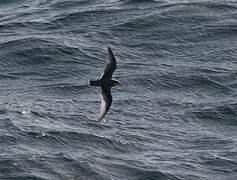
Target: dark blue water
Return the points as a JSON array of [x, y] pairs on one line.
[[174, 116]]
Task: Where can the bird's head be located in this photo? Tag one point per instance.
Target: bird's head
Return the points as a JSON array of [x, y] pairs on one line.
[[115, 83]]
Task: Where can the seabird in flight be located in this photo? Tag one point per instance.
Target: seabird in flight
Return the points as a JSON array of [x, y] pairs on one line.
[[106, 82]]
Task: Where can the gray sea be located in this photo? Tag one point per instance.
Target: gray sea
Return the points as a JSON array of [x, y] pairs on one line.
[[174, 116]]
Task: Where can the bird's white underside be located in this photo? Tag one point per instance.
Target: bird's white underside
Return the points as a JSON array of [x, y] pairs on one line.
[[102, 108]]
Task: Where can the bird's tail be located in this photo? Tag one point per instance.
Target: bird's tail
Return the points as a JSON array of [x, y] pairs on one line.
[[94, 83]]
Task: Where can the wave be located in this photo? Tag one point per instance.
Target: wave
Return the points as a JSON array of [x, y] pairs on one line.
[[31, 25], [24, 52], [135, 2], [84, 17], [62, 4], [228, 165], [36, 51], [179, 22], [171, 81], [7, 140], [60, 168], [10, 2], [224, 113], [142, 173], [65, 89], [7, 124], [96, 140]]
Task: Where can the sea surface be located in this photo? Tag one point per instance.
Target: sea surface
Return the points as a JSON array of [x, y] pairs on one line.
[[174, 116]]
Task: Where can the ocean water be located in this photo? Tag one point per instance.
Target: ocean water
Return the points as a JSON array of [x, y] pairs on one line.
[[174, 117]]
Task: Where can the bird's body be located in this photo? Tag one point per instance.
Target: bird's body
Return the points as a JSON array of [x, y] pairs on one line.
[[106, 82]]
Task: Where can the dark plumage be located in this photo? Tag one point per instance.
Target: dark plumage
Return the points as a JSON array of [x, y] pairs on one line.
[[106, 82]]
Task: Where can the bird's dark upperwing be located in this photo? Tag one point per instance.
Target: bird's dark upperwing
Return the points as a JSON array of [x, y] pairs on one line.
[[110, 66], [106, 101]]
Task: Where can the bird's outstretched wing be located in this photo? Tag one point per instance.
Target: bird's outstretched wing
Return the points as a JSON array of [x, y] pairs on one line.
[[106, 101], [110, 66]]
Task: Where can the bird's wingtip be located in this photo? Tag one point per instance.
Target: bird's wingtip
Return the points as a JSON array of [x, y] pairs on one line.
[[101, 118], [110, 52]]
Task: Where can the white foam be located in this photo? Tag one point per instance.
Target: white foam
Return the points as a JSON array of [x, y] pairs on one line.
[[25, 112]]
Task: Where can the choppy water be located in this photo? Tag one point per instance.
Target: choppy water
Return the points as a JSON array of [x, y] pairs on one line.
[[174, 116]]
